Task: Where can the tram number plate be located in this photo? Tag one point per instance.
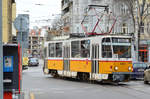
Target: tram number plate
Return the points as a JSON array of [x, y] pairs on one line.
[[122, 63]]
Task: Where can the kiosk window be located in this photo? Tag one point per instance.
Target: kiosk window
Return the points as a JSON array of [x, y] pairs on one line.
[[8, 63]]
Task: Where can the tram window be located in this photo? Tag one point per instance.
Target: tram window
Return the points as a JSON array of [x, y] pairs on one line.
[[85, 48], [75, 49], [121, 40], [106, 51], [51, 50], [58, 49], [122, 51], [106, 40]]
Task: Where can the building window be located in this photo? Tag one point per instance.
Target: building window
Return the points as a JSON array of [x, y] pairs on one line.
[[124, 28], [85, 10], [143, 53], [77, 29], [123, 8], [148, 27], [142, 28], [77, 2]]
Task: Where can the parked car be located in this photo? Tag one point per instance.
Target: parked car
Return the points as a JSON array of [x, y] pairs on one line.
[[33, 62], [138, 70], [147, 75]]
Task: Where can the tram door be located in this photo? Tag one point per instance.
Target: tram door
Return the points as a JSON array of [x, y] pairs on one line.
[[66, 58], [95, 58]]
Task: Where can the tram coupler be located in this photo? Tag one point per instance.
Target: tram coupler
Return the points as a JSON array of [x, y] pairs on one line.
[[118, 77]]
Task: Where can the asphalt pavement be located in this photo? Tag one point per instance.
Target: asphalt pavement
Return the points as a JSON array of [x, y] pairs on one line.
[[36, 85]]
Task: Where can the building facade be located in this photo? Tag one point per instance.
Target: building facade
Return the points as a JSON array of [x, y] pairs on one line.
[[144, 49], [74, 11], [36, 43], [8, 15]]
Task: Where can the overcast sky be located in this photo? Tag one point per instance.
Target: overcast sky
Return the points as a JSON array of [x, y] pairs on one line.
[[39, 9]]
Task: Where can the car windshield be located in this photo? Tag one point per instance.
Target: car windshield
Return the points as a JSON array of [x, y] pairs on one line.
[[144, 65], [33, 60], [137, 65]]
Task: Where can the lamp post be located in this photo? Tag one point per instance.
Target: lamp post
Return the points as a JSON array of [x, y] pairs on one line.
[[1, 54]]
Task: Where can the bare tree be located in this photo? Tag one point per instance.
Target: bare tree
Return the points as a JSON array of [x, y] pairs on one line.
[[139, 12], [142, 16], [55, 29]]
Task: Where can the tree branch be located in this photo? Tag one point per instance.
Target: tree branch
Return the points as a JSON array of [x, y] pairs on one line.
[[145, 16]]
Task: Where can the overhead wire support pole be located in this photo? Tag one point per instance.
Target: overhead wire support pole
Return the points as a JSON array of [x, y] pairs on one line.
[[1, 54]]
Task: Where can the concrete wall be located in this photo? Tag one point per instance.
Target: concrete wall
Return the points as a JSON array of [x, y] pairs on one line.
[[7, 20]]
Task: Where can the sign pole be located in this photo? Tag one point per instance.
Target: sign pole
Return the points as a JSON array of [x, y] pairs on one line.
[[1, 54]]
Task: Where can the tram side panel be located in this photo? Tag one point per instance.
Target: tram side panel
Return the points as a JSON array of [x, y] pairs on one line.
[[80, 65], [55, 64], [80, 56]]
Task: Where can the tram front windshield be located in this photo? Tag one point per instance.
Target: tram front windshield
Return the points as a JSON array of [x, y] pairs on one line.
[[121, 47]]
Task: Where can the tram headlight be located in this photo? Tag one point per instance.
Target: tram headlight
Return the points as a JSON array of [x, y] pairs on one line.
[[129, 68], [116, 68]]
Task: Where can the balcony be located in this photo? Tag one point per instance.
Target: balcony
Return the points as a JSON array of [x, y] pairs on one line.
[[66, 5]]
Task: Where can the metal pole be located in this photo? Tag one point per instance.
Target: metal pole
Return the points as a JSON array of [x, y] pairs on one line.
[[1, 54], [21, 42]]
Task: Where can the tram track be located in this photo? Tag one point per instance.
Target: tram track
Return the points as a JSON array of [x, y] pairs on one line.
[[130, 91]]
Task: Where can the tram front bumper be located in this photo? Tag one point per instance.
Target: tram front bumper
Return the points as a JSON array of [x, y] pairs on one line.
[[121, 76]]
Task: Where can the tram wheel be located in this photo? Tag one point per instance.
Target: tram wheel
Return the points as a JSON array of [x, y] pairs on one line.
[[54, 74], [85, 76], [145, 82]]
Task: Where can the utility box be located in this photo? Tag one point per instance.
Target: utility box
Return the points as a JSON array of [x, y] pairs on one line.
[[12, 68]]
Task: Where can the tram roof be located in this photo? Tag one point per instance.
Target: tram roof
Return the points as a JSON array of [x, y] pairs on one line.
[[89, 37]]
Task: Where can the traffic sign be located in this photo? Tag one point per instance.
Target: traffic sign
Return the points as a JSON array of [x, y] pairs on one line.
[[21, 23]]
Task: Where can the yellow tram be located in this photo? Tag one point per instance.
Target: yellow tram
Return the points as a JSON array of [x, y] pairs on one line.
[[101, 58]]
